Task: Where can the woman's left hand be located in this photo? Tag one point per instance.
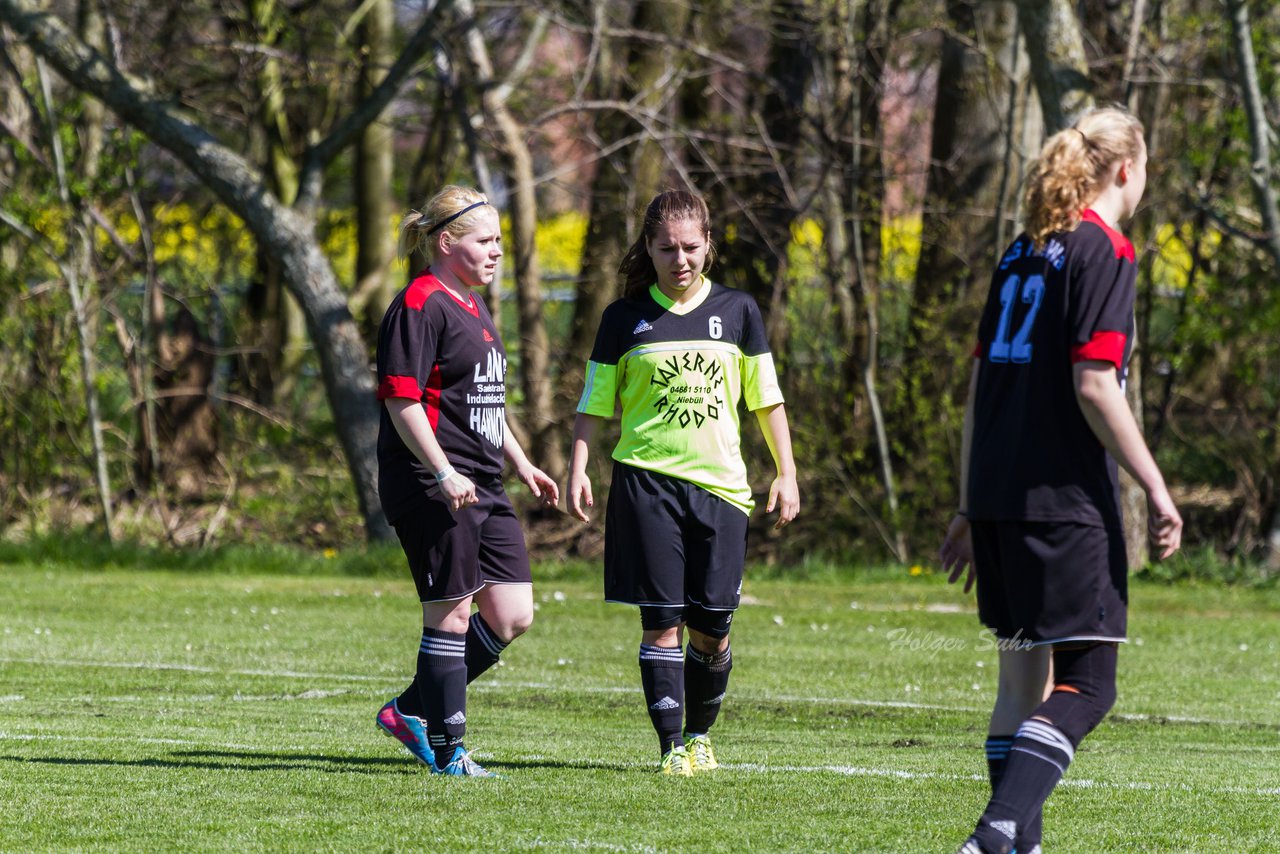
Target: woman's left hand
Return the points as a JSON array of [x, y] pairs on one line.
[[785, 494], [541, 485]]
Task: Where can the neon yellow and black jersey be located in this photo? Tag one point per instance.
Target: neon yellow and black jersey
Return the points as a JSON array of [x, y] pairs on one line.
[[679, 373]]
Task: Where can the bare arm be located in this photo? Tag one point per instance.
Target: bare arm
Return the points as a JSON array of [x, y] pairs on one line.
[[1107, 412], [784, 491], [957, 546], [411, 422], [584, 428], [538, 481]]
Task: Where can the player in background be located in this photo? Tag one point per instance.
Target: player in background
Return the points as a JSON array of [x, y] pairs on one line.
[[441, 446], [679, 354], [1045, 425]]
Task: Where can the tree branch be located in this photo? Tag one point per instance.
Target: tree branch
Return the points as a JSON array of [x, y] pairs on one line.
[[1260, 170], [318, 156]]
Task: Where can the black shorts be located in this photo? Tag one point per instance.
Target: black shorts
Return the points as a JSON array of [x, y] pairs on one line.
[[452, 555], [1051, 582], [668, 542]]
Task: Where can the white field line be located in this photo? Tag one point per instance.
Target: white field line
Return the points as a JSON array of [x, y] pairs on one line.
[[171, 742], [399, 679], [746, 767], [195, 668], [897, 774]]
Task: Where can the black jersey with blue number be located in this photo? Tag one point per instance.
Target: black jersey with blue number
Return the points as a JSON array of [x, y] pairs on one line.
[[1034, 456]]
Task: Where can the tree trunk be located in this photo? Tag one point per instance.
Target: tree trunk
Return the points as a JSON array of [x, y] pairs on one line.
[[959, 226], [279, 338], [288, 235], [626, 180], [374, 169], [535, 362], [76, 271], [1058, 64], [1260, 176], [93, 30], [763, 200]]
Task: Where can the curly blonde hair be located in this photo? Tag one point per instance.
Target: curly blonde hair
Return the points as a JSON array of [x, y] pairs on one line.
[[418, 228], [1073, 166]]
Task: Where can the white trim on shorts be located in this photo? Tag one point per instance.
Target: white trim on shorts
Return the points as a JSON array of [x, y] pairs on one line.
[[1068, 639], [659, 605]]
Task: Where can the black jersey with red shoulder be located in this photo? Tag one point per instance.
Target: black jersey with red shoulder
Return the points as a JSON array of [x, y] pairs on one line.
[[435, 348], [1034, 456]]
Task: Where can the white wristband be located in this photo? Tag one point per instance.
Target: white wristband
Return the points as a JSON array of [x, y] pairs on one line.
[[444, 474]]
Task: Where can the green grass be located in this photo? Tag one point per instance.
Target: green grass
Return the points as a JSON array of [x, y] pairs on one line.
[[166, 710]]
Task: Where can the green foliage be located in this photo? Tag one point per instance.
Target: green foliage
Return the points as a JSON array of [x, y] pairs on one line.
[[1202, 563], [60, 552]]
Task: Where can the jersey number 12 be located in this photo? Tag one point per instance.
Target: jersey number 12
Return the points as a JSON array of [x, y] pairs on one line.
[[1019, 349]]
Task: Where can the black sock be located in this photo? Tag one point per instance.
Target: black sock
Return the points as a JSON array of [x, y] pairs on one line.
[[1037, 760], [442, 681], [706, 677], [662, 675], [997, 748], [410, 700], [483, 647]]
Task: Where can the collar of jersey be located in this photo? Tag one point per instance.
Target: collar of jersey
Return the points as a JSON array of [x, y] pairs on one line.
[[469, 303], [1121, 244], [676, 308]]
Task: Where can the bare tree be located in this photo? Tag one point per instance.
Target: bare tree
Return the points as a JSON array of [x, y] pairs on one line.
[[286, 233], [374, 167], [513, 150], [1261, 171], [1058, 64], [630, 173], [966, 187]]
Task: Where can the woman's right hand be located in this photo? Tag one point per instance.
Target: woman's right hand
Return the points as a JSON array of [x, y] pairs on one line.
[[956, 553], [580, 495], [458, 491]]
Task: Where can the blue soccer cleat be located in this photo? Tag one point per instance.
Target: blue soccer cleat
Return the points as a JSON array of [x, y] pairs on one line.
[[462, 765]]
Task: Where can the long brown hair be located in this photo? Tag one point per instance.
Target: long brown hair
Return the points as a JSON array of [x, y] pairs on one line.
[[1073, 166], [636, 270]]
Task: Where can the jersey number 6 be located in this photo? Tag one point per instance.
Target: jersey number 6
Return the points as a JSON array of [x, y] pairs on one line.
[[713, 327], [1019, 349]]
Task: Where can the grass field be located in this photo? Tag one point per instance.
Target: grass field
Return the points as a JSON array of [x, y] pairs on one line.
[[155, 710]]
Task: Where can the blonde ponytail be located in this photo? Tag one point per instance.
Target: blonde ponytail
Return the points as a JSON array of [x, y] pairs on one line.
[[1073, 167], [454, 211]]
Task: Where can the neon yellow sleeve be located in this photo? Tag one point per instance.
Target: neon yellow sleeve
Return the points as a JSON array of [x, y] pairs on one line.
[[600, 391], [760, 382]]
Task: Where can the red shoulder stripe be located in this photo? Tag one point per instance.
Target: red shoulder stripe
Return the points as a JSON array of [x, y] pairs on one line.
[[426, 284], [1120, 243]]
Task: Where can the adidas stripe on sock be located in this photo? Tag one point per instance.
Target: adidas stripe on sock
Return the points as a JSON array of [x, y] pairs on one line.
[[1038, 758], [706, 678], [483, 647], [442, 680], [662, 676]]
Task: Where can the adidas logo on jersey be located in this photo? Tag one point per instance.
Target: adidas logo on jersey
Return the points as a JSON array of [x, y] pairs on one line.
[[487, 337], [642, 326], [456, 719], [660, 706]]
